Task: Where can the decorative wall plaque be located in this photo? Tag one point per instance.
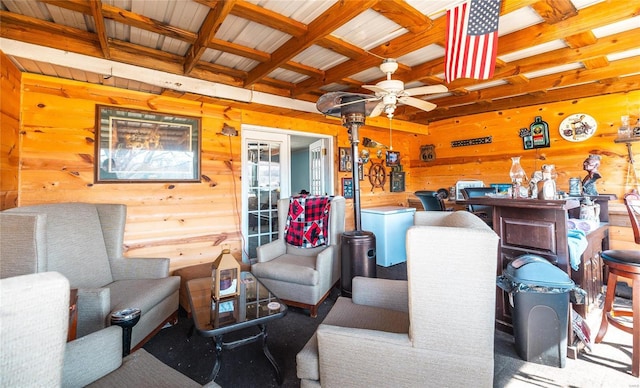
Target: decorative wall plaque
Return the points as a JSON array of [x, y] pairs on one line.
[[470, 142], [397, 181], [428, 153]]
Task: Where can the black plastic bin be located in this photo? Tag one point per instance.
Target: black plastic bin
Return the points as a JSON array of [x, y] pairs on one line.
[[540, 293], [358, 258]]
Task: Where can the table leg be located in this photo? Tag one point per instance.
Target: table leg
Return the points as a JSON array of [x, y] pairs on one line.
[[216, 365], [268, 354]]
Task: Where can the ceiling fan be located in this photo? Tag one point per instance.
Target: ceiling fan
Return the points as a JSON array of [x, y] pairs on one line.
[[388, 94]]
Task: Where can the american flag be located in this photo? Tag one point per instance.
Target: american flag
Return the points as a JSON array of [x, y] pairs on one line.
[[472, 40]]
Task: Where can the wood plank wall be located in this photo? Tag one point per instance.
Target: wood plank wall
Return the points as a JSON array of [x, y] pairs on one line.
[[187, 221], [9, 128], [491, 162]]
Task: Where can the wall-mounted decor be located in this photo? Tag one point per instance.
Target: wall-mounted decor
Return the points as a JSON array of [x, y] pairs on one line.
[[428, 153], [536, 136], [377, 175], [470, 142], [345, 162], [393, 158], [144, 146], [360, 171], [397, 181], [578, 127], [347, 187]]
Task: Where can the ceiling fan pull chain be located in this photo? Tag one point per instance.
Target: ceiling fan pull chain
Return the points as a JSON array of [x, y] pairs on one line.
[[390, 134]]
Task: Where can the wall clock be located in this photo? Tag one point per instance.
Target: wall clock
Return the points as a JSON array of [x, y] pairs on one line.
[[578, 127]]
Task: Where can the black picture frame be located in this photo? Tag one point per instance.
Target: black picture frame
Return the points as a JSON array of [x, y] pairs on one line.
[[347, 188], [393, 158], [145, 146]]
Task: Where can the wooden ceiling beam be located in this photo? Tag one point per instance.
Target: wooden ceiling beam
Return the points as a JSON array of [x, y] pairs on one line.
[[564, 79], [554, 11], [572, 93], [403, 14], [101, 32], [239, 50], [127, 18], [594, 16], [323, 25], [397, 47], [341, 47], [303, 69], [213, 21], [261, 15], [582, 39], [595, 63], [619, 42], [537, 86]]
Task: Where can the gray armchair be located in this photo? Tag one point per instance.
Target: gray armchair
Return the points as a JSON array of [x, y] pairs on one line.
[[84, 243], [434, 330], [33, 335], [302, 277]]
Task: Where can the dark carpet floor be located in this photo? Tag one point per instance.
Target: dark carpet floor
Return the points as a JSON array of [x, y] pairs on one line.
[[246, 366]]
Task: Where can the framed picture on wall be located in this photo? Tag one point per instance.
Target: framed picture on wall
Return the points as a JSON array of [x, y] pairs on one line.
[[345, 164], [393, 158], [144, 146], [347, 187]]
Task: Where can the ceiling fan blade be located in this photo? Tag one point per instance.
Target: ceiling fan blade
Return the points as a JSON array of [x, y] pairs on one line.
[[418, 103], [375, 88], [377, 110], [425, 90]]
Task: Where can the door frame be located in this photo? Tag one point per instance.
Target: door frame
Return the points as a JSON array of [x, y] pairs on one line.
[[257, 132]]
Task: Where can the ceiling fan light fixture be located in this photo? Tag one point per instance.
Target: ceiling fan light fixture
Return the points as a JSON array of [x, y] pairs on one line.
[[391, 86], [389, 66]]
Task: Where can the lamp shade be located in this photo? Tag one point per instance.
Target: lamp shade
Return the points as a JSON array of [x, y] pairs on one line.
[[225, 275]]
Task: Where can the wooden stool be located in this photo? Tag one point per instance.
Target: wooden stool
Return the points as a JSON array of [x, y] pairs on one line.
[[624, 263]]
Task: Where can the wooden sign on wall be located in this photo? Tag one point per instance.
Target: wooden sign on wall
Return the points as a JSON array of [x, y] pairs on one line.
[[470, 142]]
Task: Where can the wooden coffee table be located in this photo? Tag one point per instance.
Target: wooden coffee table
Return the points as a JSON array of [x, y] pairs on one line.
[[255, 306]]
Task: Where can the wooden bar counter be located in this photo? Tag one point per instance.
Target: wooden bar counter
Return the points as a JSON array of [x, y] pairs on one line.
[[540, 227]]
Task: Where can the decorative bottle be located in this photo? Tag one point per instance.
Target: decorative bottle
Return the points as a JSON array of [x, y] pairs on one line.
[[547, 186], [517, 175], [540, 133]]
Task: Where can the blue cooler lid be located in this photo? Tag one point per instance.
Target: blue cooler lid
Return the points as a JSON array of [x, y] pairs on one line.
[[533, 270]]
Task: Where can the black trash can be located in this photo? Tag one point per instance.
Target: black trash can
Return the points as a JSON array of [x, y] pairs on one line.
[[540, 295], [358, 258]]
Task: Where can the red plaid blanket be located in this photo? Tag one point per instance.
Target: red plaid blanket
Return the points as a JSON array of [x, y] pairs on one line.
[[308, 221]]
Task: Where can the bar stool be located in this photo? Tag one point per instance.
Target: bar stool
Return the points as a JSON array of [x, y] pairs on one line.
[[624, 263]]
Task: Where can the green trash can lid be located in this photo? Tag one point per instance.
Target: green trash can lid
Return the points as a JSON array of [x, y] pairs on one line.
[[533, 270]]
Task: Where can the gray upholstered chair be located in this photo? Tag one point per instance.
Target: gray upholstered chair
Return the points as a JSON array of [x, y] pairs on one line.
[[33, 334], [400, 333], [302, 277], [84, 243]]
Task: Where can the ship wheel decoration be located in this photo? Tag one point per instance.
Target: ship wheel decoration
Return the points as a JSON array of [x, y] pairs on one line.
[[377, 175]]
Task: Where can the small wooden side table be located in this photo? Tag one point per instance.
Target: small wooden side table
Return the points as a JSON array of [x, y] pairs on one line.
[[73, 315]]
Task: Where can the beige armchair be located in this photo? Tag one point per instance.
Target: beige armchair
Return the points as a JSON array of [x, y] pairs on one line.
[[33, 334], [302, 277], [434, 330], [84, 243]]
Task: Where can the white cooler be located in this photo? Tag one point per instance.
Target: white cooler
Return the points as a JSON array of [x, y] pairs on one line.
[[389, 224]]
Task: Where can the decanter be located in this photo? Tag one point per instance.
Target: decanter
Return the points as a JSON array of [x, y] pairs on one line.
[[517, 175]]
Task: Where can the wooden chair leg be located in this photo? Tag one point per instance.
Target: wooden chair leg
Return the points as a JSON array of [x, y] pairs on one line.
[[608, 306]]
